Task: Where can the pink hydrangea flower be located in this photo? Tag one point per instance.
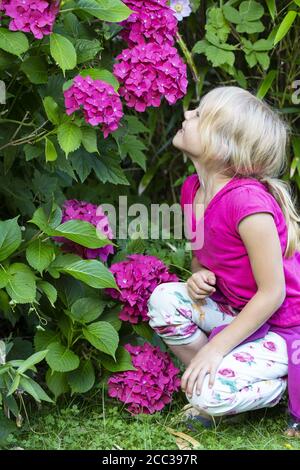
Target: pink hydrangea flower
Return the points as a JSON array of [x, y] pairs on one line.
[[101, 104], [35, 16], [82, 210], [137, 278], [152, 21], [148, 72], [149, 388]]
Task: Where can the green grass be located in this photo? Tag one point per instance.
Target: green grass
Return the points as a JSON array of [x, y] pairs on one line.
[[93, 423]]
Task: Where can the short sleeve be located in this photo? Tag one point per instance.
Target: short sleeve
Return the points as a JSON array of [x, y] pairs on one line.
[[186, 188], [251, 200]]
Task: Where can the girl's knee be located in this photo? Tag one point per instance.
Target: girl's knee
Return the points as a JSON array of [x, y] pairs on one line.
[[213, 402], [160, 294]]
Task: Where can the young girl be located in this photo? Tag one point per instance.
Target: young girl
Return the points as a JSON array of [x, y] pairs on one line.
[[235, 323]]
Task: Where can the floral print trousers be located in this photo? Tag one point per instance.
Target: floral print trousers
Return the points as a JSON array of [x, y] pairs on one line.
[[253, 375]]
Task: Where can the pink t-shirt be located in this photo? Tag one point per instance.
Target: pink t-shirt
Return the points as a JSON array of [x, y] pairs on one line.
[[223, 251]]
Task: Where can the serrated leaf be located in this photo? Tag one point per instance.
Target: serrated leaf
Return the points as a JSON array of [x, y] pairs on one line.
[[102, 336], [52, 110], [106, 10], [13, 42], [82, 379], [50, 151], [10, 237], [86, 310], [49, 290], [63, 52], [101, 74], [57, 382], [60, 358], [89, 139], [122, 363], [35, 68], [69, 137], [21, 286], [92, 272], [40, 254]]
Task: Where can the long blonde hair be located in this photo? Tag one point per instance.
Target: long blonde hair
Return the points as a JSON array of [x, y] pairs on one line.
[[248, 138]]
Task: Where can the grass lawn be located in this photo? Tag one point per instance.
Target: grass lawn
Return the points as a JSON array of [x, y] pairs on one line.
[[97, 423]]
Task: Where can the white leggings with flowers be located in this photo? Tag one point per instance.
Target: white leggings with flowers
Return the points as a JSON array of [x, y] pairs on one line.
[[251, 376]]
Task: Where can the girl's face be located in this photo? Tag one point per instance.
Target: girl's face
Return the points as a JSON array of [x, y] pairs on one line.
[[187, 138]]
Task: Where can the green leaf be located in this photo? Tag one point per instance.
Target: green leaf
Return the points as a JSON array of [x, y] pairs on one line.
[[266, 84], [63, 52], [69, 137], [42, 339], [30, 361], [13, 42], [92, 272], [272, 8], [86, 310], [50, 151], [82, 379], [102, 336], [10, 237], [109, 170], [21, 286], [40, 254], [101, 74], [130, 145], [217, 24], [52, 110], [34, 389], [122, 363], [135, 125], [60, 358], [57, 382], [143, 329], [285, 25], [89, 139], [106, 10], [84, 233], [49, 290], [35, 68], [14, 385], [87, 49]]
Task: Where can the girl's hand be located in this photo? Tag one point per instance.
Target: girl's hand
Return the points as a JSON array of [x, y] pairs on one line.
[[198, 285], [206, 361]]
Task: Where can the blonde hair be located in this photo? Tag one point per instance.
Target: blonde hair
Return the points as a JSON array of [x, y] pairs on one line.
[[249, 138]]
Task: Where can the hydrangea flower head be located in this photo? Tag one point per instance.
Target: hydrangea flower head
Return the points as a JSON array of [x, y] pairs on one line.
[[152, 21], [100, 102], [148, 72], [150, 387], [137, 278], [82, 210], [182, 8], [34, 16]]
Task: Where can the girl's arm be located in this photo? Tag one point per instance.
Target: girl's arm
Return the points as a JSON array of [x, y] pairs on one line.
[[260, 236], [195, 265]]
